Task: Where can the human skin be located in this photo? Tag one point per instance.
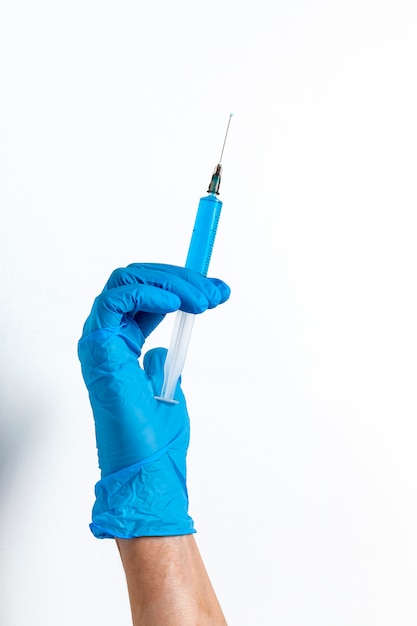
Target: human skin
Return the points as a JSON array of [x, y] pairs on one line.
[[167, 582]]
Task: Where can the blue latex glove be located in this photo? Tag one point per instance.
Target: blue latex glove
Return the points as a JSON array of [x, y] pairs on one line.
[[142, 443]]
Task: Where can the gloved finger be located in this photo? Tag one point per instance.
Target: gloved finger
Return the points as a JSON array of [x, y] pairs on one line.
[[223, 289], [197, 292], [192, 299], [110, 306], [153, 364], [215, 290]]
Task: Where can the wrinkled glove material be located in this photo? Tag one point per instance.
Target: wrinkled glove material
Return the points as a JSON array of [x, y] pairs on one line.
[[129, 503]]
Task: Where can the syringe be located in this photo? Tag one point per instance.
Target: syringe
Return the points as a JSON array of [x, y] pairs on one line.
[[198, 259]]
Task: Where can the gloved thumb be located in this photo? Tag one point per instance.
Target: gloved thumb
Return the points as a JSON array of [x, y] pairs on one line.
[[153, 364], [154, 361]]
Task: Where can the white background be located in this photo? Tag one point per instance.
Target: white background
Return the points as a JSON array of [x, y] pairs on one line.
[[301, 389]]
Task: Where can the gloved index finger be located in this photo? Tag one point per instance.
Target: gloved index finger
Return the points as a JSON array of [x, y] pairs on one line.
[[215, 289], [112, 304], [195, 296]]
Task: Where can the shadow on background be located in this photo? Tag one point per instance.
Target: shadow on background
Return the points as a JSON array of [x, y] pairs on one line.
[[15, 443], [21, 430]]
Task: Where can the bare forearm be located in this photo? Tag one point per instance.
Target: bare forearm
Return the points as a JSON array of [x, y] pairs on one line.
[[168, 583]]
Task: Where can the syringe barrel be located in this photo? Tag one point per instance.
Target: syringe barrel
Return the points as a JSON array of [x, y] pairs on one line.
[[198, 259], [204, 234]]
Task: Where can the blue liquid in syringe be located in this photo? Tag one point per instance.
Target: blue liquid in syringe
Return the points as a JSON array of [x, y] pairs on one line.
[[204, 234]]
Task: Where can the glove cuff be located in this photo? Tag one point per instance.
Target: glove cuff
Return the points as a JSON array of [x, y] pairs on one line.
[[147, 499]]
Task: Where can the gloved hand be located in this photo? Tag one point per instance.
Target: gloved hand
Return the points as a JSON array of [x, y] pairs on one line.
[[142, 443]]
